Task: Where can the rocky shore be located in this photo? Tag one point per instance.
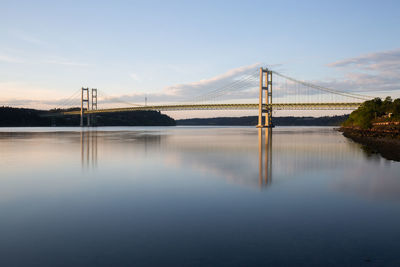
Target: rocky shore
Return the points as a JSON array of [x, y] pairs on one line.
[[384, 140]]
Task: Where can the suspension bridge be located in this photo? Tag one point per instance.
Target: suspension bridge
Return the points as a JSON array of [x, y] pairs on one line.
[[275, 91]]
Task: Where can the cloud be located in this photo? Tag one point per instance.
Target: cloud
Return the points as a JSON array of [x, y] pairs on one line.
[[53, 61], [206, 85], [66, 63], [23, 36], [10, 59], [30, 103], [135, 77], [239, 84], [27, 94], [195, 91], [371, 72], [373, 61], [178, 69]]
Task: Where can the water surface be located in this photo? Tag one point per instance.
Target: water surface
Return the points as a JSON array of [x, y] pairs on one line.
[[195, 196]]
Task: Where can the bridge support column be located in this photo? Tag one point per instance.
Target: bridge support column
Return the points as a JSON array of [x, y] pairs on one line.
[[94, 105], [260, 100], [265, 108], [268, 97], [85, 91]]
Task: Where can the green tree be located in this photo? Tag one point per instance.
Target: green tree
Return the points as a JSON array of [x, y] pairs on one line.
[[370, 110]]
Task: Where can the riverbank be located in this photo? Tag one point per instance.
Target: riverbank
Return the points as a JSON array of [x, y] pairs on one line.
[[384, 140]]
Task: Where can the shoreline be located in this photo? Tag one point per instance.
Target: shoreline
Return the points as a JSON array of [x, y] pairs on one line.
[[385, 142]]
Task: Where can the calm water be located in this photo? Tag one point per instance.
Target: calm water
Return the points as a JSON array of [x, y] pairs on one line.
[[133, 196]]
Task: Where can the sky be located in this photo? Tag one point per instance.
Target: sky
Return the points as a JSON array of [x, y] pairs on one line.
[[175, 50]]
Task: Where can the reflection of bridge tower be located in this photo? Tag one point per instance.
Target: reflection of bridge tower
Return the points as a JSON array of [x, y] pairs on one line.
[[265, 166], [265, 85], [88, 149]]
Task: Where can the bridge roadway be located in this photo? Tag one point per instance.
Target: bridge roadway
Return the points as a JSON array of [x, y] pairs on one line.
[[278, 106]]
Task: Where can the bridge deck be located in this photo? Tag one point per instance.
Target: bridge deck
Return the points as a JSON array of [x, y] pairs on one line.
[[281, 106]]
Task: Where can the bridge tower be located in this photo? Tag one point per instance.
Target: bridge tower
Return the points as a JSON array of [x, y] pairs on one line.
[[85, 102], [265, 108], [94, 106], [94, 99]]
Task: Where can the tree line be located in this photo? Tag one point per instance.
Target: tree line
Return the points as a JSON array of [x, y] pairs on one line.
[[374, 110], [23, 117]]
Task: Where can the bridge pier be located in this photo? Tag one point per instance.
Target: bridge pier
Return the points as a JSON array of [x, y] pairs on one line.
[[267, 87]]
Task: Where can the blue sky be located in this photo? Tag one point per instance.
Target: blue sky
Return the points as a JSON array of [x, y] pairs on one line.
[[49, 49]]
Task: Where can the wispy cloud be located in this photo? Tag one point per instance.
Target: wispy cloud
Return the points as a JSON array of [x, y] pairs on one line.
[[10, 59], [29, 103], [26, 94], [372, 61], [54, 61], [180, 69], [206, 85], [371, 72], [66, 62], [27, 37], [135, 77], [172, 94], [189, 91]]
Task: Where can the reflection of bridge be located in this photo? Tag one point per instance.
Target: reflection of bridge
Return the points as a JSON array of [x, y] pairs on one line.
[[289, 94], [265, 152], [89, 152], [263, 159]]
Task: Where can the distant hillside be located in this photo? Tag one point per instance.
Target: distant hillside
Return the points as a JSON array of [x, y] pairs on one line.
[[278, 121], [15, 117], [10, 117], [134, 118]]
